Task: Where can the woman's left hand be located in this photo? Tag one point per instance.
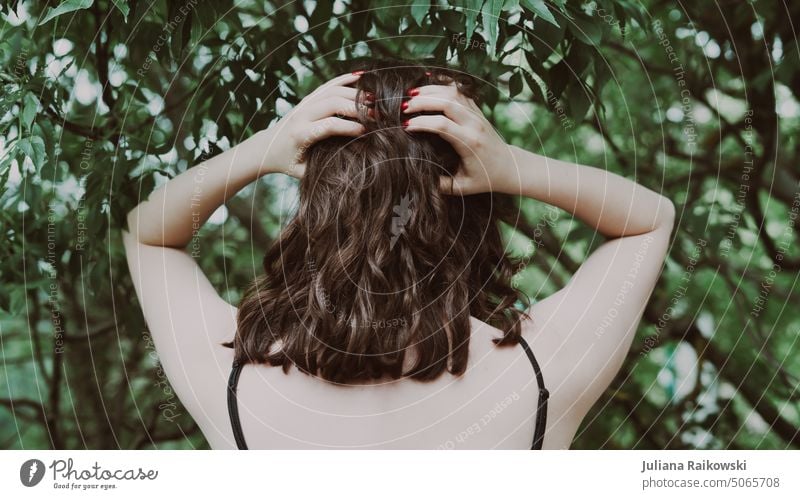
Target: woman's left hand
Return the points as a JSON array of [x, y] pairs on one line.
[[487, 162], [316, 117]]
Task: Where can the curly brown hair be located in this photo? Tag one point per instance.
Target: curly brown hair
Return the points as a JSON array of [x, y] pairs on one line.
[[377, 261]]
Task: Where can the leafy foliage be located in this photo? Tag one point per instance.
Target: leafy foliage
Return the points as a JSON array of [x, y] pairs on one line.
[[104, 100]]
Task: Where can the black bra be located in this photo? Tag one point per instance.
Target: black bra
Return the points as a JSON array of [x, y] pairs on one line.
[[538, 429]]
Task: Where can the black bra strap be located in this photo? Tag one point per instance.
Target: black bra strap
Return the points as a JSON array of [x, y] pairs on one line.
[[233, 407], [539, 425], [544, 395]]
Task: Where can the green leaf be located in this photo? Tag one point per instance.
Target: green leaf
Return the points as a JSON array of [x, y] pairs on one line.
[[66, 7], [579, 102], [453, 20], [546, 37], [39, 155], [16, 304], [471, 10], [321, 16], [539, 8], [491, 17], [419, 11], [5, 170], [558, 77], [515, 85], [633, 10], [24, 146], [122, 6], [34, 148], [586, 29], [579, 58], [384, 12], [186, 32], [535, 88], [475, 61], [425, 45], [29, 109]]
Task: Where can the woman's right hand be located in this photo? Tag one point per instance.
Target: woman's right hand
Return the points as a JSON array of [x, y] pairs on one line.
[[487, 161], [316, 117]]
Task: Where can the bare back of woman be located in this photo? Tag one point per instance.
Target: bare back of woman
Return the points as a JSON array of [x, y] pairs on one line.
[[385, 316]]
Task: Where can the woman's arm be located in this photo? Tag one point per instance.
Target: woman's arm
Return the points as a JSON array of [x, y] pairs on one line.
[[607, 202], [610, 203], [585, 330], [174, 213], [187, 319]]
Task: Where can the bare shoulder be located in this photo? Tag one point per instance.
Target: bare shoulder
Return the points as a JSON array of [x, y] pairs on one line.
[[188, 322], [584, 332]]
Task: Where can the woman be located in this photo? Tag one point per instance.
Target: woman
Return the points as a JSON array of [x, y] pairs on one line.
[[387, 300]]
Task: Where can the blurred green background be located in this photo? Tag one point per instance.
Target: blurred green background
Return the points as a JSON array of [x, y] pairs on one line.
[[102, 101]]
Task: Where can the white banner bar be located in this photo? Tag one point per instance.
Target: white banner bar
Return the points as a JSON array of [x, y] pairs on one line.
[[401, 474]]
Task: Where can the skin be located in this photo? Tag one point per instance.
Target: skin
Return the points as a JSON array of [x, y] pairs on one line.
[[578, 344]]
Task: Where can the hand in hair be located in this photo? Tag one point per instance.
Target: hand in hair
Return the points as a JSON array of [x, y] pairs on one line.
[[487, 162], [318, 116]]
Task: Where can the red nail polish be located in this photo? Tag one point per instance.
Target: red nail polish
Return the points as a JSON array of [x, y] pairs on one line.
[[404, 106], [358, 73], [412, 92], [405, 124]]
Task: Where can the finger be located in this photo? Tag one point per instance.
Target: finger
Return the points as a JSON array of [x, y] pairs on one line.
[[450, 90], [333, 127], [452, 185], [456, 135], [445, 92], [296, 170], [346, 92], [332, 107], [453, 109]]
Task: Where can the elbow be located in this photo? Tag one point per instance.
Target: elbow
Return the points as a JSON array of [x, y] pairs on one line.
[[133, 222], [138, 226], [666, 213]]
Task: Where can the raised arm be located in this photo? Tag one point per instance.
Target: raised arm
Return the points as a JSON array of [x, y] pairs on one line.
[[173, 213], [611, 204], [587, 327], [187, 318]]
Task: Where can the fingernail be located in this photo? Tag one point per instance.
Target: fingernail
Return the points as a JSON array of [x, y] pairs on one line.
[[405, 124], [358, 73], [404, 105], [412, 92], [427, 73]]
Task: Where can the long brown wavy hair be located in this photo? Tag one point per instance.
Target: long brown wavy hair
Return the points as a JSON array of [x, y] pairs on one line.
[[377, 263]]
